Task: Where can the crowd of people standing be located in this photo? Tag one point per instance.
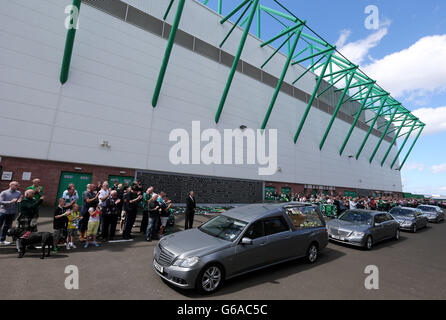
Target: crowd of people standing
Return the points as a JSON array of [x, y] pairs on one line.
[[343, 203], [103, 207]]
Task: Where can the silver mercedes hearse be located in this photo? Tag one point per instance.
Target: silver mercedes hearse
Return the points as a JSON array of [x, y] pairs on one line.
[[241, 240]]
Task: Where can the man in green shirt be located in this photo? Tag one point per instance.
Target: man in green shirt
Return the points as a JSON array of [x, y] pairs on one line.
[[38, 189], [38, 197], [28, 208]]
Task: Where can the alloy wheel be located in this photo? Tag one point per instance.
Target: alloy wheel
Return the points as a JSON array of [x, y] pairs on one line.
[[211, 279], [312, 253], [369, 243]]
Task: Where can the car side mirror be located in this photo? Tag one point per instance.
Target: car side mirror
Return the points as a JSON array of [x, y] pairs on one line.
[[246, 241], [377, 224]]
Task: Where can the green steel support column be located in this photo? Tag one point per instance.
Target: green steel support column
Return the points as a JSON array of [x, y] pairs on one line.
[[313, 56], [404, 144], [282, 78], [336, 79], [220, 6], [394, 139], [241, 5], [168, 52], [342, 71], [280, 35], [333, 117], [69, 43], [355, 121], [383, 135], [331, 71], [371, 127], [308, 70], [280, 14], [259, 33], [358, 85], [411, 148], [277, 50], [235, 25], [318, 41], [310, 103], [236, 61], [168, 9]]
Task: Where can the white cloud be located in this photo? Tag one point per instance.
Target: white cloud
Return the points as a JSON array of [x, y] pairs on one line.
[[434, 118], [343, 38], [413, 72], [357, 51], [414, 166], [439, 168]]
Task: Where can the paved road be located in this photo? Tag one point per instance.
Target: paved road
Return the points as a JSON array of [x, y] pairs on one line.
[[412, 268]]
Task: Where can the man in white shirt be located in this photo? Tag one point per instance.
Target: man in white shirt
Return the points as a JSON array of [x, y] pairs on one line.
[[353, 204], [104, 193], [70, 196]]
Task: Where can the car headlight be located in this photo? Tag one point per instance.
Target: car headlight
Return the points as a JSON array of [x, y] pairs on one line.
[[407, 223], [357, 234], [186, 263]]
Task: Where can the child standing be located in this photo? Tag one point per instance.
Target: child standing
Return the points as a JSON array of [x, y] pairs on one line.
[[73, 221], [59, 224], [93, 226]]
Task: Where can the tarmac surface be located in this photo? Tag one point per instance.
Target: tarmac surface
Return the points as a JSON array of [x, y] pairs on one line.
[[412, 268]]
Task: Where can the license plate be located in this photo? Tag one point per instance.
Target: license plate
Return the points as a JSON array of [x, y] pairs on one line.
[[158, 267], [339, 238]]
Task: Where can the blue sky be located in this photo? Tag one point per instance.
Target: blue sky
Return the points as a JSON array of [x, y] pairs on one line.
[[406, 55]]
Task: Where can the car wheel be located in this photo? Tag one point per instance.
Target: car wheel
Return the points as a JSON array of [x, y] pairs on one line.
[[312, 253], [397, 235], [210, 279], [369, 243], [414, 228]]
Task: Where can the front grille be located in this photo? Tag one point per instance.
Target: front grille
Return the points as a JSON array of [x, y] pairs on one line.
[[340, 233], [165, 257]]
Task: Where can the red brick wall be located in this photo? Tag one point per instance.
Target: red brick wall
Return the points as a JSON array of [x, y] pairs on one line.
[[49, 174]]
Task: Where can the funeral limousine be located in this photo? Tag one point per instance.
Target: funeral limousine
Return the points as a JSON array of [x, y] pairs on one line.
[[239, 241]]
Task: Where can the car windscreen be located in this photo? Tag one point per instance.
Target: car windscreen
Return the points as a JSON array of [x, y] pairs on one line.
[[224, 227], [357, 217], [402, 212], [428, 209]]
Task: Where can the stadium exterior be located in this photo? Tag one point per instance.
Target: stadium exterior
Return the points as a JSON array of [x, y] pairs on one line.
[[92, 104]]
